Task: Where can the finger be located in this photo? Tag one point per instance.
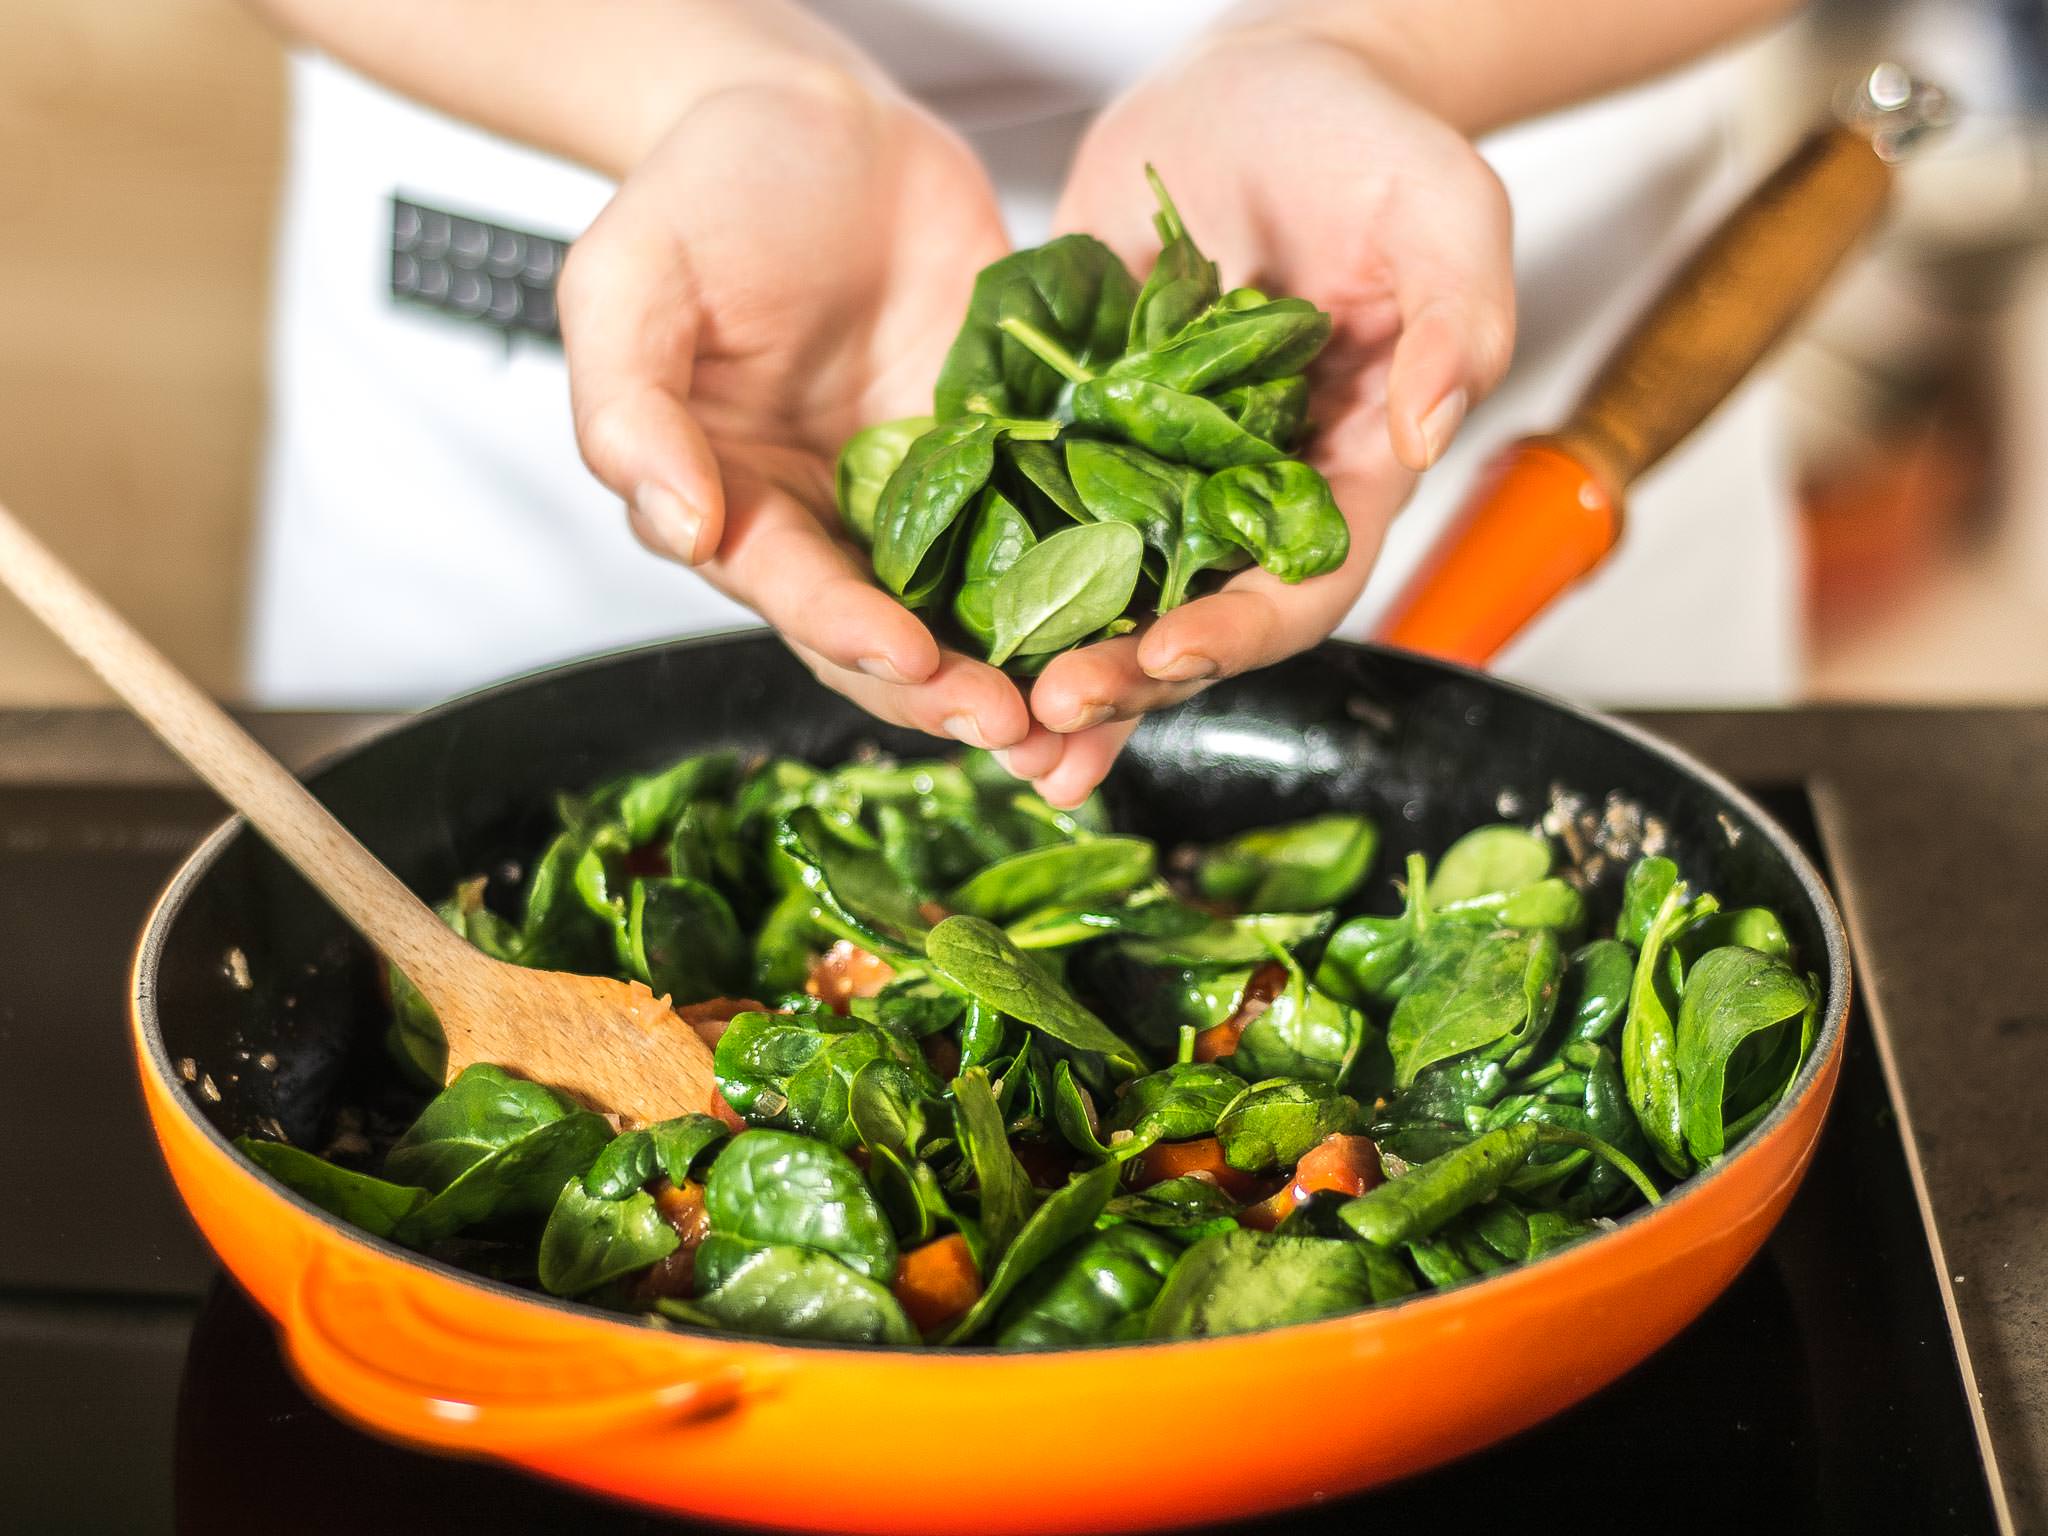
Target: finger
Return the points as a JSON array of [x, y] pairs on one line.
[[1257, 619], [964, 700], [1035, 755], [1457, 307], [1084, 763], [1099, 683], [629, 331], [779, 560]]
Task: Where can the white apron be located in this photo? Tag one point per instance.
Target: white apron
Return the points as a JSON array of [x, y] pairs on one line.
[[428, 526]]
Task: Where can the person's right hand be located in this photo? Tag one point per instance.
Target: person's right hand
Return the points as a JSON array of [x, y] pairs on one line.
[[788, 264]]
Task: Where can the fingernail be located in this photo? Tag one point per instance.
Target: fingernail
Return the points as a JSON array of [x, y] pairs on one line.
[[964, 728], [1188, 667], [1083, 718], [881, 667], [1002, 757], [670, 516], [1441, 424]]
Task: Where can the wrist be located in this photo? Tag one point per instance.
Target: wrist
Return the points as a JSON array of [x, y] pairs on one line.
[[721, 47], [1373, 36]]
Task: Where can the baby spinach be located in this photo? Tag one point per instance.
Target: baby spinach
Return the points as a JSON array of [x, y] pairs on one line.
[[1072, 289], [1063, 589], [521, 1178], [1183, 283], [1236, 1282], [589, 1241], [683, 940], [1246, 940], [670, 1148], [776, 1187], [865, 464], [1189, 429], [1488, 861], [1516, 1097], [1430, 1194], [1279, 510], [358, 1199], [1272, 1124], [1095, 1291], [1501, 1000], [483, 1111], [921, 504], [1004, 1187], [978, 958], [1732, 995], [996, 540], [1304, 1033], [800, 1293], [1596, 988], [1649, 1041], [1177, 1103], [1065, 872], [1064, 1215], [1274, 409], [1222, 347], [1301, 866], [1190, 1207]]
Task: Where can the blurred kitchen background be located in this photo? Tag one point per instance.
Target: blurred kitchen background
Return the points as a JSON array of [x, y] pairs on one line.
[[140, 155]]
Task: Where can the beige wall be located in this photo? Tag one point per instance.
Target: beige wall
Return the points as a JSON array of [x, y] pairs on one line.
[[139, 144]]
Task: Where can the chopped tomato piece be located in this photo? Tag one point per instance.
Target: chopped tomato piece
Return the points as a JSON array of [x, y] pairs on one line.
[[1204, 1155], [846, 971], [1347, 1165], [682, 1207], [1220, 1040], [710, 1017], [937, 1283]]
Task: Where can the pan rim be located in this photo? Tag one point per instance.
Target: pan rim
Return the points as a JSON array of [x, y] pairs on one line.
[[1828, 1043]]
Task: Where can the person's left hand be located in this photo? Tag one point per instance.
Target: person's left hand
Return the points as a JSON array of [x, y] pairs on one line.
[[1299, 169]]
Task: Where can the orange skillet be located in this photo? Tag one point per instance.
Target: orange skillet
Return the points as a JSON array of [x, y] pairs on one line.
[[825, 1437]]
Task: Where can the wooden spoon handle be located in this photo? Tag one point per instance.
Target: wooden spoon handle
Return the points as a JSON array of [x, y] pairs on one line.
[[1726, 306], [228, 758]]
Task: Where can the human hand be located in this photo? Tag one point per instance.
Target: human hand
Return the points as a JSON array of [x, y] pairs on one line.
[[788, 264], [1300, 170]]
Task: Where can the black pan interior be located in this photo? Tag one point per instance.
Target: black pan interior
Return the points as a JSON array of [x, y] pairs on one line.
[[1429, 750]]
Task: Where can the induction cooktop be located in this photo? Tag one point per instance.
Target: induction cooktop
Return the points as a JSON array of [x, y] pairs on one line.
[[141, 1392]]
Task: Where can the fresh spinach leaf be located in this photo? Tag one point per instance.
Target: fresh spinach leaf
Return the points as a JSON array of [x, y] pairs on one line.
[[1024, 882], [1272, 1124], [589, 1241], [1093, 1292], [1064, 1215], [1236, 1282], [1732, 995], [978, 958], [1063, 589], [1489, 861], [865, 464], [358, 1199], [775, 1187], [788, 1292], [1302, 866]]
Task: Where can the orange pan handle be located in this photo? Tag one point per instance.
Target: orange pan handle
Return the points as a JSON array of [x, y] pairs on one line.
[[432, 1363], [1549, 509]]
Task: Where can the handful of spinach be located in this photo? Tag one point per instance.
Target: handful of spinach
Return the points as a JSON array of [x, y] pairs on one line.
[[987, 1075], [1095, 447]]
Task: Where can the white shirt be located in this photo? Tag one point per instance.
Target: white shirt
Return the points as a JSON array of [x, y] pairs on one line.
[[428, 526]]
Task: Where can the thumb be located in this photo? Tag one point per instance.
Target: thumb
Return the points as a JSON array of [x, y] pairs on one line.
[[629, 328], [1456, 292], [1450, 355]]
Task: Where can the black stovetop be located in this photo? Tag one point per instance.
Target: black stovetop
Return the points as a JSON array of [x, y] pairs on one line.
[[139, 1392]]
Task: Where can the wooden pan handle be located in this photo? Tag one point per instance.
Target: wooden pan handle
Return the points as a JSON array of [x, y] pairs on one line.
[[1549, 509], [228, 758], [1722, 311]]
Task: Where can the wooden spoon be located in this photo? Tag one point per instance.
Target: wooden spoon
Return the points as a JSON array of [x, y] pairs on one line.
[[611, 1045]]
